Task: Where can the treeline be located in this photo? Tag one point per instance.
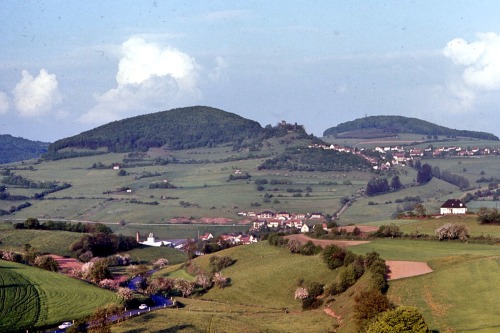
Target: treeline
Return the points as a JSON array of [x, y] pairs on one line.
[[425, 173], [19, 181], [35, 224], [14, 209], [315, 160], [102, 244], [181, 128], [400, 124]]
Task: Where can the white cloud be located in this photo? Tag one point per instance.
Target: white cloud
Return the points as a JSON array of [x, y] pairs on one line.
[[4, 103], [481, 59], [35, 95], [149, 78], [219, 72]]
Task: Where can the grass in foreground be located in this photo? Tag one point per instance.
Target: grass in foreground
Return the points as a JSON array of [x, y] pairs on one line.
[[209, 316], [32, 297], [460, 295]]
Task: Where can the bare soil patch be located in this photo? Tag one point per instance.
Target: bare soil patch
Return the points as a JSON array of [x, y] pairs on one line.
[[67, 265], [205, 220], [325, 242], [216, 220], [403, 269]]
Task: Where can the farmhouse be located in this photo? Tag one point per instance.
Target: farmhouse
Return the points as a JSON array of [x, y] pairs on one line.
[[453, 206]]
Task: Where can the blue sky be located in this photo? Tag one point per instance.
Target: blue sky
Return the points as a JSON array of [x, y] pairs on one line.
[[69, 66]]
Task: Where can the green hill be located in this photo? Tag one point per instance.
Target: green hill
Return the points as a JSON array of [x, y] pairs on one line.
[[380, 126], [13, 149], [183, 128]]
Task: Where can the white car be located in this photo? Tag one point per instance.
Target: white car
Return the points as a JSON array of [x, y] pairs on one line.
[[143, 306], [65, 325]]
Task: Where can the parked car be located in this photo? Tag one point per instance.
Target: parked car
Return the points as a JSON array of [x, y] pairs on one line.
[[65, 325], [143, 306]]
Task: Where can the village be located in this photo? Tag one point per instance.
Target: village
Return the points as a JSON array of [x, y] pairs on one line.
[[404, 155], [269, 220]]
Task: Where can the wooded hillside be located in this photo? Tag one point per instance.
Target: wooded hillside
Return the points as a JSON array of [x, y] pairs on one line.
[[392, 125], [183, 128], [13, 149]]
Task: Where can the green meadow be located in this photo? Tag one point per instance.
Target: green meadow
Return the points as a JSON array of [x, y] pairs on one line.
[[35, 298], [462, 291]]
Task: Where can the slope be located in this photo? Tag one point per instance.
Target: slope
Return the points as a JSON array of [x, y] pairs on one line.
[[181, 128], [377, 126]]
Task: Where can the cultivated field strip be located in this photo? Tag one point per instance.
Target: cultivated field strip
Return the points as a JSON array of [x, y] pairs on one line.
[[19, 300], [32, 297]]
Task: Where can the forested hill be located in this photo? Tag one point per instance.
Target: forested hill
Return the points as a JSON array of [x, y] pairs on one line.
[[378, 125], [13, 149], [182, 128]]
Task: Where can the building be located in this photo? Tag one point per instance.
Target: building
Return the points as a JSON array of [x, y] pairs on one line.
[[151, 241], [453, 206]]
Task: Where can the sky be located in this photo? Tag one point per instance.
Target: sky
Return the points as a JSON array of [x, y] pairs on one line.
[[70, 66]]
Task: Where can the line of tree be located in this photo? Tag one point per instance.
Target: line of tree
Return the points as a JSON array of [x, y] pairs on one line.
[[451, 178], [35, 224]]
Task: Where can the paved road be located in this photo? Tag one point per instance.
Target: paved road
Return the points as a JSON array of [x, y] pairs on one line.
[[160, 302]]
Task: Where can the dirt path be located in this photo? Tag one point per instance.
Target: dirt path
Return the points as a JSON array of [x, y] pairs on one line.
[[403, 269]]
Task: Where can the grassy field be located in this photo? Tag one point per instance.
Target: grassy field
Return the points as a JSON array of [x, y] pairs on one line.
[[211, 316], [31, 297], [460, 295], [147, 254], [94, 194], [428, 226], [56, 242], [273, 278]]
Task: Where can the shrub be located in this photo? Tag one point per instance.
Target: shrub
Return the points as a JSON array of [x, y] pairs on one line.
[[47, 262], [301, 293], [368, 305], [333, 256], [218, 263], [391, 230], [311, 303], [404, 319], [309, 249], [453, 231]]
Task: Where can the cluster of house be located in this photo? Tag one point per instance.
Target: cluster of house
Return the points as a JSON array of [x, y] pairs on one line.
[[180, 244], [402, 154], [281, 220]]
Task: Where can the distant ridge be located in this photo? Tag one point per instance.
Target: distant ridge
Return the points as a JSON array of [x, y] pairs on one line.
[[392, 125], [13, 149], [182, 128]]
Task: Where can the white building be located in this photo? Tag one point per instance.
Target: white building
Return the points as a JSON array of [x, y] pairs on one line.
[[151, 241]]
